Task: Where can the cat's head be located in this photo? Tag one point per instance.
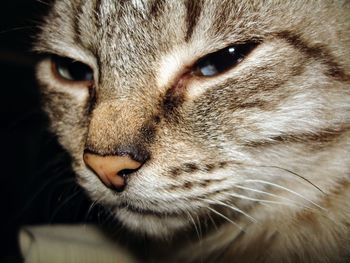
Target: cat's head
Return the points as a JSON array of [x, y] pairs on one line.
[[212, 109]]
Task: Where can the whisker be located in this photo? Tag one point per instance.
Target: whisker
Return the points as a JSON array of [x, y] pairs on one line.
[[212, 220], [68, 199], [294, 173], [284, 188], [195, 226], [44, 186], [105, 215], [254, 199], [236, 209], [286, 170], [13, 29], [221, 253], [199, 227], [273, 195], [224, 217], [89, 211], [266, 201], [259, 191], [43, 2]]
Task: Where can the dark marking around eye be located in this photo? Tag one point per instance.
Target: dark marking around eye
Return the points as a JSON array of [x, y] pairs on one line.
[[174, 98], [92, 100], [172, 101]]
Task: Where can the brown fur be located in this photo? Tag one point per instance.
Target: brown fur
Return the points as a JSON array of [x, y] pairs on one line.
[[250, 165]]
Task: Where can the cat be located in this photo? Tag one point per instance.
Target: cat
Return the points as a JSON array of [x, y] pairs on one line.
[[219, 130]]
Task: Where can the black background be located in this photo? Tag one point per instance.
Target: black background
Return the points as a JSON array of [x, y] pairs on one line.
[[37, 185]]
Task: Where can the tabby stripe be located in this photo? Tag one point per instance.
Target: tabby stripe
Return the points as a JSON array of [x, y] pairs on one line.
[[76, 22], [97, 13], [224, 14], [193, 11], [91, 102], [157, 8], [323, 136], [317, 52], [241, 96], [101, 18]]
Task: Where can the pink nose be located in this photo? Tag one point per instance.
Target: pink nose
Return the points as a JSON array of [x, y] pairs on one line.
[[111, 169]]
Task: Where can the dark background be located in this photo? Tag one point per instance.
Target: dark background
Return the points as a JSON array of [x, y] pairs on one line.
[[37, 185]]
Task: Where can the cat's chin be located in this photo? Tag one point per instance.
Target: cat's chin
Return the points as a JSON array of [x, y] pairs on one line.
[[153, 225]]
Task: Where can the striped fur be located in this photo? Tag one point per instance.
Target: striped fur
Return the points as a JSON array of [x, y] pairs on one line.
[[252, 165]]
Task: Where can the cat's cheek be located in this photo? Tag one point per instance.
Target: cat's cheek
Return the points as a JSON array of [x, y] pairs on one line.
[[67, 108], [70, 132]]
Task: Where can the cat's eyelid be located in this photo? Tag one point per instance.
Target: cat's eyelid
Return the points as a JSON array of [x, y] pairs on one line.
[[60, 70], [222, 60], [182, 61], [73, 53], [45, 74]]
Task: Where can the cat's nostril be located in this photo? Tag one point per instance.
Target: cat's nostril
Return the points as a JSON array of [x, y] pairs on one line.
[[112, 170]]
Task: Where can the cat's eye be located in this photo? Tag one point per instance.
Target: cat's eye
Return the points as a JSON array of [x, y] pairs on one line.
[[222, 60], [70, 70]]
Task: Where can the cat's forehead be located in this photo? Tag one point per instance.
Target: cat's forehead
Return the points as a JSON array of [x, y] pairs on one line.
[[97, 23], [142, 6], [143, 27], [134, 36], [146, 20]]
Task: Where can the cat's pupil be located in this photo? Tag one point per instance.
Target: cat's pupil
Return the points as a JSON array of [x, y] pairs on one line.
[[71, 70], [222, 60]]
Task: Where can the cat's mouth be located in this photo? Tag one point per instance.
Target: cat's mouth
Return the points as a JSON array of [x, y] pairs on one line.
[[165, 224]]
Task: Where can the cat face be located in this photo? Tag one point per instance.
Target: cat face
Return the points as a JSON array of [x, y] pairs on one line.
[[237, 111]]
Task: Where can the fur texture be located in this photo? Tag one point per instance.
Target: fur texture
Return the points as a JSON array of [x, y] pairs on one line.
[[251, 165]]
